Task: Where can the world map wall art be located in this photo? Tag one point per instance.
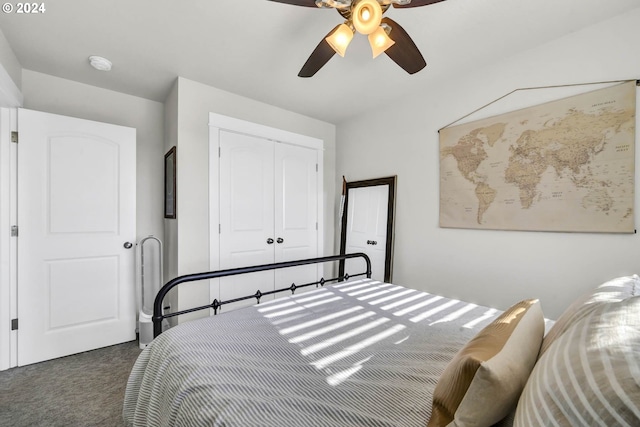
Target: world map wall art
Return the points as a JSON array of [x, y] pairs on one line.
[[566, 165]]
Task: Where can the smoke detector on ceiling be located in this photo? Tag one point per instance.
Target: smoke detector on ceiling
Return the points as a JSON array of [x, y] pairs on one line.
[[100, 63]]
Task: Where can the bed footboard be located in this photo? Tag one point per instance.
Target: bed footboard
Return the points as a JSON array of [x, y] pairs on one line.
[[159, 316]]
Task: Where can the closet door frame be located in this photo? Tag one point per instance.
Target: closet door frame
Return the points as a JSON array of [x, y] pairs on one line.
[[218, 123]]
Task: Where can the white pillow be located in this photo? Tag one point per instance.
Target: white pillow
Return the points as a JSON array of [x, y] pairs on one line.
[[590, 376], [614, 290]]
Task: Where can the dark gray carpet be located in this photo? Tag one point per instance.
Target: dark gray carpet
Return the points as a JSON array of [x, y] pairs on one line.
[[83, 390]]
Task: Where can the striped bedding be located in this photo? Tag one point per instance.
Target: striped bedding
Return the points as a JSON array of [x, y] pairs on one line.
[[360, 353]]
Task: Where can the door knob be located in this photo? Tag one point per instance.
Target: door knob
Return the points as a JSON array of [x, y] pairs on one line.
[[371, 242], [128, 245], [269, 241], [280, 240]]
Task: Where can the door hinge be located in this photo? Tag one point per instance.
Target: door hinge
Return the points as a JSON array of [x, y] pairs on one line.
[[14, 137], [219, 228], [316, 226], [219, 151], [316, 167], [14, 231], [14, 324]]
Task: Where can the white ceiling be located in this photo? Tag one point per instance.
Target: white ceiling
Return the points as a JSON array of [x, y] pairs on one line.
[[255, 48]]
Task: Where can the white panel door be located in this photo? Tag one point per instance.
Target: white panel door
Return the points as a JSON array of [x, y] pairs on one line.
[[367, 212], [246, 213], [76, 211], [296, 210]]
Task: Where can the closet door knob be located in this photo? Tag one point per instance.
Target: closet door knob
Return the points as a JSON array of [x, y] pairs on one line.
[[128, 245], [269, 241], [371, 242], [280, 240]]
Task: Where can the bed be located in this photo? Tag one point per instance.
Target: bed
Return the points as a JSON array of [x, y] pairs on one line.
[[351, 352]]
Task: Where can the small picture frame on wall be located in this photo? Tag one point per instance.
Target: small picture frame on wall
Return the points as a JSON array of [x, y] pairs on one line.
[[170, 183]]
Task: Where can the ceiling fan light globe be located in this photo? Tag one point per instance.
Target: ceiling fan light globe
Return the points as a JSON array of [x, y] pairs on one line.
[[335, 4], [366, 15], [380, 41], [339, 39]]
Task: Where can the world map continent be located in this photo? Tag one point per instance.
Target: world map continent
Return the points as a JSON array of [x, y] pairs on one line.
[[561, 166]]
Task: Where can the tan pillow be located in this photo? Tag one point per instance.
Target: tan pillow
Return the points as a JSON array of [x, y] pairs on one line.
[[590, 376], [483, 382], [614, 290]]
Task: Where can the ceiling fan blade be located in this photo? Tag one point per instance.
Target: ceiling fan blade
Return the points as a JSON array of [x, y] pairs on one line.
[[320, 56], [416, 3], [404, 52], [307, 3]]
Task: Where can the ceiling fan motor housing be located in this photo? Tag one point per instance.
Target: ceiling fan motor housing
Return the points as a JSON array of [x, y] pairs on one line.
[[348, 12]]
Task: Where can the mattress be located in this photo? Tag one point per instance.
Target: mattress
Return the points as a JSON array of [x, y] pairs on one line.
[[358, 353]]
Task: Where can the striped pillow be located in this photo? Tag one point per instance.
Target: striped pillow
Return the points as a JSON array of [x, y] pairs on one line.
[[482, 383], [614, 290], [590, 376]]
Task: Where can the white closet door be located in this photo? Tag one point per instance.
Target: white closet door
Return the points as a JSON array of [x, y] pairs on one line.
[[246, 213], [296, 208], [367, 228]]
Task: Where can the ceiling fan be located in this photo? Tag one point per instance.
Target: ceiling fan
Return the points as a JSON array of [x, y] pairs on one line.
[[365, 16]]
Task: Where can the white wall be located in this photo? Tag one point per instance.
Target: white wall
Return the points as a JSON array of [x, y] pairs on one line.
[[171, 225], [493, 268], [9, 62], [10, 76], [50, 94], [194, 103]]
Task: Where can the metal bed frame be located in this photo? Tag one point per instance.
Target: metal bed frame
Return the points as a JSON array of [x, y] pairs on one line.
[[159, 316]]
